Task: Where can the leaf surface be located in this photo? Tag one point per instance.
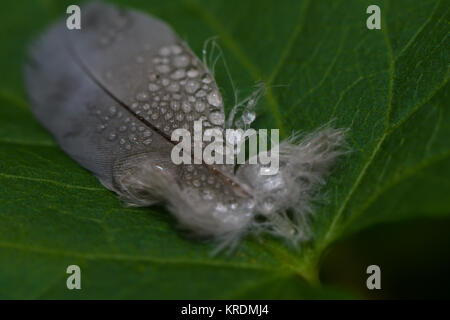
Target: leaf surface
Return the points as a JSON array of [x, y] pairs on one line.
[[389, 87]]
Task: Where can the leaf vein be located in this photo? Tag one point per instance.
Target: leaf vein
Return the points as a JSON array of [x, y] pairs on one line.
[[125, 257], [61, 184]]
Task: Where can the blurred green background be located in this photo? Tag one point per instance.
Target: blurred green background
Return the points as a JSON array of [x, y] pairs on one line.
[[387, 203]]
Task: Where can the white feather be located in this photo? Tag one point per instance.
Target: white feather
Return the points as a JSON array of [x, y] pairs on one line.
[[279, 204]]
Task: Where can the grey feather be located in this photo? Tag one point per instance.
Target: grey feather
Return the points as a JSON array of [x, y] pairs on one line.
[[112, 93]]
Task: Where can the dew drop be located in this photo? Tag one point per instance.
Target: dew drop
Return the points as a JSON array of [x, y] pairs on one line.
[[152, 76], [200, 106], [147, 142], [122, 141], [175, 105], [174, 87], [268, 205], [163, 68], [165, 82], [200, 94], [181, 61], [215, 99], [191, 86], [133, 138], [123, 128], [234, 205], [178, 74], [192, 73], [176, 49], [208, 195], [216, 118], [113, 110], [147, 133], [168, 115], [206, 79], [186, 107], [153, 87], [101, 127], [164, 51], [248, 117], [179, 116], [112, 136], [142, 96]]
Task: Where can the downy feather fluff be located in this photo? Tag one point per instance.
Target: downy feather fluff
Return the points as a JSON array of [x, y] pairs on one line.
[[112, 93]]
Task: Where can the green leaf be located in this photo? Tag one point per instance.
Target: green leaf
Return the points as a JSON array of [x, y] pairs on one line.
[[389, 87]]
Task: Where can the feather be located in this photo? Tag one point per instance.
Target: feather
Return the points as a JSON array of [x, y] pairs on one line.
[[112, 94]]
